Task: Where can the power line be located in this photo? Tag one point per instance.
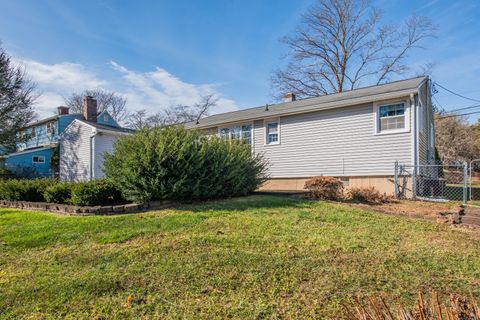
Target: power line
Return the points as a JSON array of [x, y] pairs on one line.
[[455, 93], [460, 109], [457, 115]]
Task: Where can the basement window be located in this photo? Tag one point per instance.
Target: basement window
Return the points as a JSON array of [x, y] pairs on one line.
[[38, 159]]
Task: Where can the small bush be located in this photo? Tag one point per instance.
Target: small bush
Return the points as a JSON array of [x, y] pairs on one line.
[[58, 193], [325, 188], [179, 164], [24, 190], [6, 174], [368, 195], [95, 192]]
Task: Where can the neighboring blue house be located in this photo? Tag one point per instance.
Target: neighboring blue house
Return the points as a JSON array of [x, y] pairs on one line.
[[33, 158]]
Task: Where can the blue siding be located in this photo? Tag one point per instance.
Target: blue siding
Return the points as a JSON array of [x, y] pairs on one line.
[[65, 120], [42, 138], [106, 119], [22, 164]]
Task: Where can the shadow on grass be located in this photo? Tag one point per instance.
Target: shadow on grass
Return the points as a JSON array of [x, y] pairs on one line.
[[255, 202]]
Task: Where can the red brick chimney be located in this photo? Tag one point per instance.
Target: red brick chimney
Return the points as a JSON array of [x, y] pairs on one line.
[[90, 109], [289, 97], [63, 110]]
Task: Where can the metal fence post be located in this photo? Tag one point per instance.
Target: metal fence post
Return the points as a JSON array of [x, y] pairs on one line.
[[395, 179], [414, 182]]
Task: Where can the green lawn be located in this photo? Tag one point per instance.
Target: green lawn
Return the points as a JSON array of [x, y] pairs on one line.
[[259, 257]]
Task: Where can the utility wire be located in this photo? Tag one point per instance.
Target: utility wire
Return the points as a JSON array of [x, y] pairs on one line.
[[455, 93], [457, 115], [466, 108]]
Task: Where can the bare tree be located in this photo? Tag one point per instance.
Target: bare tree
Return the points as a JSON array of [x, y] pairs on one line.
[[111, 101], [173, 114], [341, 45], [141, 119], [182, 113], [17, 95]]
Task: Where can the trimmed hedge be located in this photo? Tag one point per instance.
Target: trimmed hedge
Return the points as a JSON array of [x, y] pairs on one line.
[[24, 190], [96, 192], [58, 193], [172, 163]]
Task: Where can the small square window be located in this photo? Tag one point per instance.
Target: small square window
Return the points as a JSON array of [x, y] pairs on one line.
[[272, 133], [38, 159]]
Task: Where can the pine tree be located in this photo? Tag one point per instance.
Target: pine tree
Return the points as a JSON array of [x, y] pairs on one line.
[[16, 98]]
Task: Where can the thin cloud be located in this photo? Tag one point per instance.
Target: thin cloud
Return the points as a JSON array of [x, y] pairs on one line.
[[153, 91]]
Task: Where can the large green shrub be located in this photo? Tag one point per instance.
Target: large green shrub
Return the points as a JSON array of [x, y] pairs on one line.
[[24, 189], [179, 164], [95, 192], [60, 192]]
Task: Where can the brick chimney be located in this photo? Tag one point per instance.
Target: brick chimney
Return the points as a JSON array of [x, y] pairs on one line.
[[90, 109], [63, 110], [289, 97]]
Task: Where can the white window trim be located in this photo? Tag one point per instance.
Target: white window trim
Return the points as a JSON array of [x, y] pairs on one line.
[[38, 162], [376, 117], [265, 133], [52, 126], [237, 124]]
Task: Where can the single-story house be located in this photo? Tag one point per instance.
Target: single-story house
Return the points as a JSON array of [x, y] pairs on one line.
[[355, 135]]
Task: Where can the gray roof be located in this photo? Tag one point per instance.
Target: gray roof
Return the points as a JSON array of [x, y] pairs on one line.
[[336, 100], [103, 127]]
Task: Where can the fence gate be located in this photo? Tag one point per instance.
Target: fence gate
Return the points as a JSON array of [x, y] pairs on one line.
[[474, 187], [433, 182]]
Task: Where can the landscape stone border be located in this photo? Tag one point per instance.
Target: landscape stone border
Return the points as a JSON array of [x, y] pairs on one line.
[[71, 210]]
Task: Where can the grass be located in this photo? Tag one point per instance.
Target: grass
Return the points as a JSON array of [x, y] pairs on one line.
[[259, 257]]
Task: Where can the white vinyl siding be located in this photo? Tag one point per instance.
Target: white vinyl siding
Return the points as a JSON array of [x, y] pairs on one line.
[[336, 142], [75, 153], [103, 143]]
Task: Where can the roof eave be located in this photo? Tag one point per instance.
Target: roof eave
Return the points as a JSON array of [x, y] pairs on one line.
[[326, 106]]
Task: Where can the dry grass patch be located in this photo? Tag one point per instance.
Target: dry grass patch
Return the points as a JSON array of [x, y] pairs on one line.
[[259, 257]]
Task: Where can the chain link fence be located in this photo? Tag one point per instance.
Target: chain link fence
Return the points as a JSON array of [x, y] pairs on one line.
[[474, 183], [433, 182]]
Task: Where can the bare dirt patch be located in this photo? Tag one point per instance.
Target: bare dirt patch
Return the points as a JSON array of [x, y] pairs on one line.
[[442, 212]]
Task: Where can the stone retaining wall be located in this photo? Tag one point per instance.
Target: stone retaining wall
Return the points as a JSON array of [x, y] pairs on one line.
[[72, 210]]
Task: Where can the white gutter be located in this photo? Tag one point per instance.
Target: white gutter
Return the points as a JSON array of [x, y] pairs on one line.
[[92, 155]]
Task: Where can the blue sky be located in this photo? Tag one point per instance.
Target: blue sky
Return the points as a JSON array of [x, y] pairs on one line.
[[166, 52]]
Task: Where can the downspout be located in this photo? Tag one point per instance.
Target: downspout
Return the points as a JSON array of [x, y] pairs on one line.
[[413, 109], [92, 155]]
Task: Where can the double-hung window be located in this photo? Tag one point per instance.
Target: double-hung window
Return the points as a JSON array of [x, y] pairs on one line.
[[272, 132], [51, 128], [391, 117]]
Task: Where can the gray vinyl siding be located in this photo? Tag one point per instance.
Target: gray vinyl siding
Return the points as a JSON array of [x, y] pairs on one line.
[[75, 153], [335, 142], [426, 152]]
